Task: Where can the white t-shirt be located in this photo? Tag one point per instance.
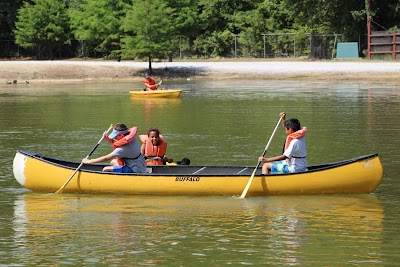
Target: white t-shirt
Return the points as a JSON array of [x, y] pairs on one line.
[[296, 153]]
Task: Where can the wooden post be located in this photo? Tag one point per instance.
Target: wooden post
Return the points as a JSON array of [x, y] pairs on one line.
[[369, 29], [394, 46]]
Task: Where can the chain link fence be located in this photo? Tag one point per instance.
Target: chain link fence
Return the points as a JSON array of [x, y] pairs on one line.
[[271, 45], [274, 45]]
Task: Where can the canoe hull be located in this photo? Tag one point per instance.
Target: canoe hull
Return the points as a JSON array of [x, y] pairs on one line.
[[37, 173], [168, 93]]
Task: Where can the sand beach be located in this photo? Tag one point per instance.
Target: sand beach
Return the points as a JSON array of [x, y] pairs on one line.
[[67, 70]]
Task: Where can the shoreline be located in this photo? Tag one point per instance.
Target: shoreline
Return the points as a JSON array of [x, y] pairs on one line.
[[89, 70]]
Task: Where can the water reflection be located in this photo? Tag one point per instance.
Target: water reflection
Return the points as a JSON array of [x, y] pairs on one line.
[[161, 113], [158, 230], [152, 104]]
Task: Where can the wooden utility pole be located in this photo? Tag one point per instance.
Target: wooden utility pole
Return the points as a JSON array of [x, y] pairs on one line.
[[368, 2]]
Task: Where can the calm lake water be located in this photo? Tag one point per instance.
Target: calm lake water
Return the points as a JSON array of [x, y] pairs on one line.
[[214, 123]]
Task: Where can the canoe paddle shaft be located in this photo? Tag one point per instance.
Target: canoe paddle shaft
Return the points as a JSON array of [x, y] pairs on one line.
[[80, 165], [243, 195]]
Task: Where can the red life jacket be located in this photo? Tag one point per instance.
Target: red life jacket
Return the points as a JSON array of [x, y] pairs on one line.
[[151, 151], [125, 140], [150, 81]]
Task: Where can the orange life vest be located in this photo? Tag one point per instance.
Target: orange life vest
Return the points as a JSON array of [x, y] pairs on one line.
[[150, 81], [125, 140], [151, 151], [296, 135]]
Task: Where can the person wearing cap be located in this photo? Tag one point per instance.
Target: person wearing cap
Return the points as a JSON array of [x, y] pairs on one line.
[[149, 82], [126, 156]]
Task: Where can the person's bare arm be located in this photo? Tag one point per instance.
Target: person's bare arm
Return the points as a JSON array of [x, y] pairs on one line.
[[98, 160], [272, 159]]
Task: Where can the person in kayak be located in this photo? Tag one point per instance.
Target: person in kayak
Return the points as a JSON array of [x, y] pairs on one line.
[[294, 154], [150, 83], [126, 156], [154, 148]]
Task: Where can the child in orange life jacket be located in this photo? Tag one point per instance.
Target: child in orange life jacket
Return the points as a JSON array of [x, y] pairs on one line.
[[294, 155], [154, 148], [126, 156], [149, 82]]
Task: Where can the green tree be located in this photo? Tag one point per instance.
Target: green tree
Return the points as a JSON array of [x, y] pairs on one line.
[[218, 22], [149, 27], [186, 23], [265, 17], [96, 24], [8, 14], [329, 16], [385, 14], [43, 26], [218, 15], [216, 45]]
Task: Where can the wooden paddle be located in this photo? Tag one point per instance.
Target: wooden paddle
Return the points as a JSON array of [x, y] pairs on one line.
[[80, 165], [159, 84], [243, 195]]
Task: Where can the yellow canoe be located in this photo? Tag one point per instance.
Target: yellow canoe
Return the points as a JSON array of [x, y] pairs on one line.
[[161, 93], [44, 174]]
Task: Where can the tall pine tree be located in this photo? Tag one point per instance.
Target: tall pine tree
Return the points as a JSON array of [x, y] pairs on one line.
[[149, 28], [42, 26]]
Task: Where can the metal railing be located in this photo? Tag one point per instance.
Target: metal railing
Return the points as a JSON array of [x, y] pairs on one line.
[[384, 43]]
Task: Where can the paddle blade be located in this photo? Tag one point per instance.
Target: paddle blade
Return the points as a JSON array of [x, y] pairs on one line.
[[69, 179], [243, 195], [59, 191]]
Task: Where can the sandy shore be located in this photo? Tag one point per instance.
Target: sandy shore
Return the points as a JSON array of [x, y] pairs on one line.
[[53, 71]]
